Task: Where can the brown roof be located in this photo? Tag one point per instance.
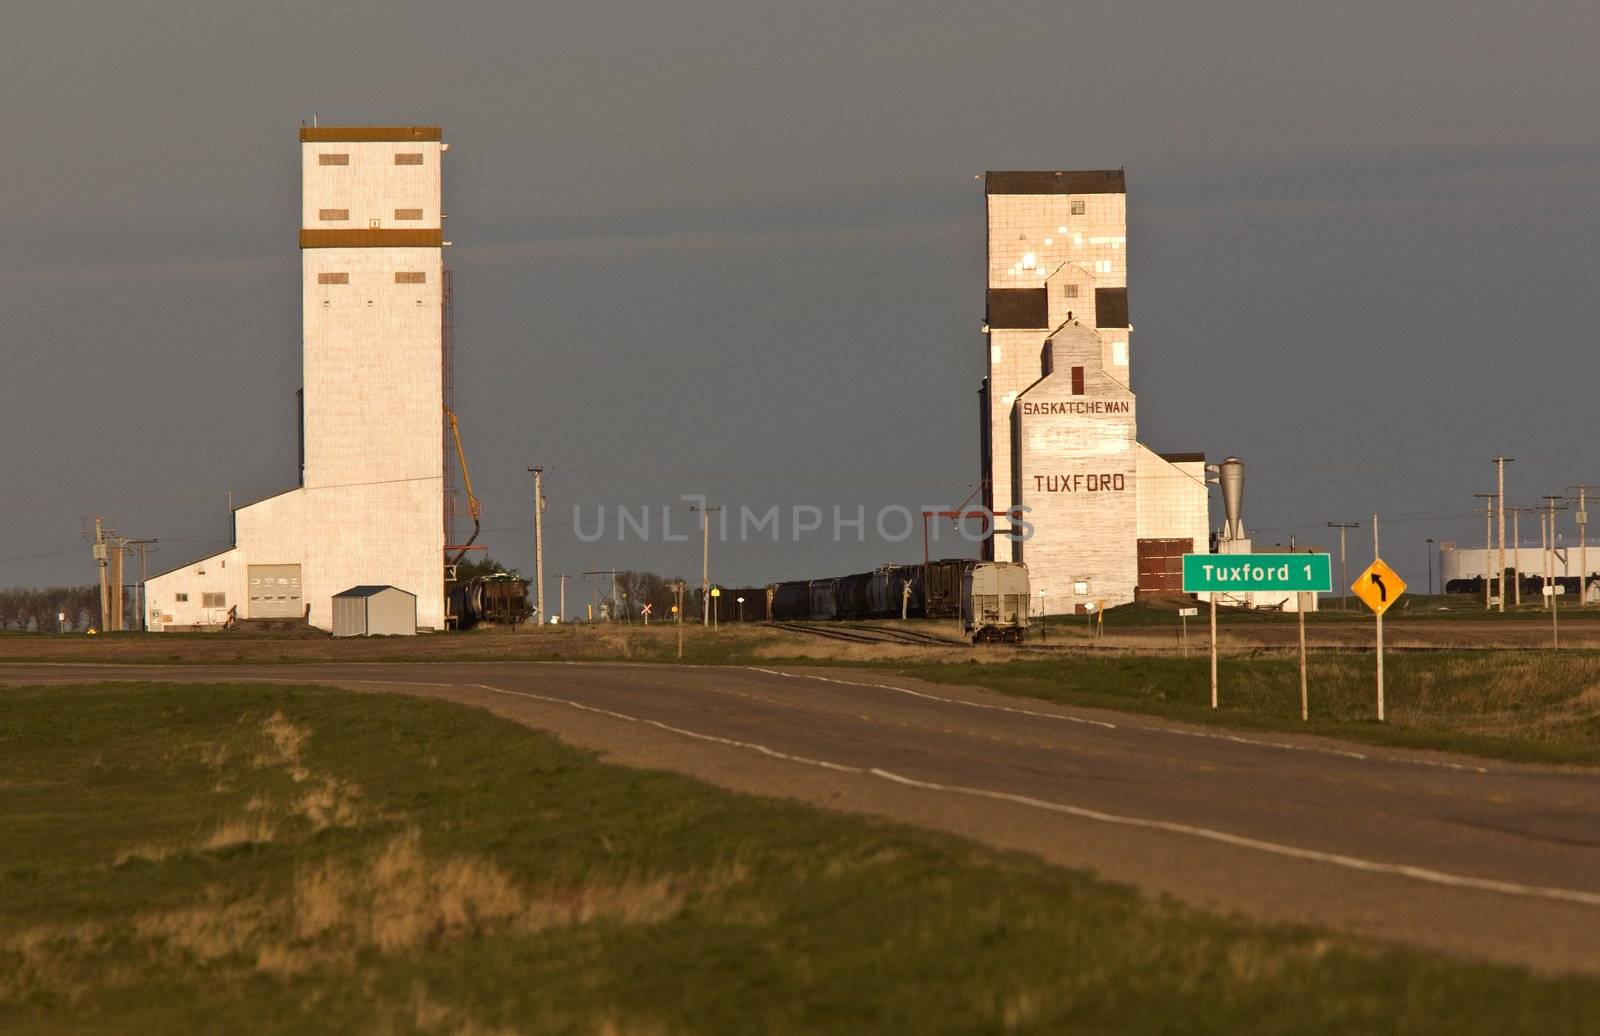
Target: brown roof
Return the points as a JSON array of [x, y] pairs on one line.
[[368, 134], [1056, 181]]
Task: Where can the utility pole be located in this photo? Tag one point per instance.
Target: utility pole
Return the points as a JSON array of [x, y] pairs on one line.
[[1516, 550], [1488, 548], [144, 612], [1500, 465], [101, 562], [1375, 554], [1344, 570], [1430, 566], [705, 564], [1550, 550], [538, 543], [116, 545], [563, 577], [606, 572], [677, 590], [1582, 517]]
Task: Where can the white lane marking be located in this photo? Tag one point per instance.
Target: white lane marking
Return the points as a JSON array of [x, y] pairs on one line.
[[1357, 863], [1337, 859], [1237, 739], [1211, 735], [1511, 888], [935, 697]]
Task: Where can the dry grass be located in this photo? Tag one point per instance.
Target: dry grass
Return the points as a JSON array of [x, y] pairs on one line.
[[396, 901], [532, 886]]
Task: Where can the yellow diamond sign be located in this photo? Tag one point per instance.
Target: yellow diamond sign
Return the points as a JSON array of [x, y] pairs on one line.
[[1379, 586]]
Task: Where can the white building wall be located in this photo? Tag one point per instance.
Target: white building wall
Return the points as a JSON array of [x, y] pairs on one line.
[[1036, 241], [371, 510], [222, 573], [1473, 562], [1174, 502], [1076, 472]]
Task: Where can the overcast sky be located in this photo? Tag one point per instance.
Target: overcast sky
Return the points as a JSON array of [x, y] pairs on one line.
[[737, 249]]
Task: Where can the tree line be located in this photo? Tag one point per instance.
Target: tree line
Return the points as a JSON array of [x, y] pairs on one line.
[[36, 608]]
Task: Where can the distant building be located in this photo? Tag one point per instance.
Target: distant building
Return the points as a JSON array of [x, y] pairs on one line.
[[1105, 517], [1462, 569], [369, 509]]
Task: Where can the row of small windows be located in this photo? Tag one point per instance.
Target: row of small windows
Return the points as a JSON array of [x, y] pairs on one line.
[[403, 158], [207, 600], [332, 215], [400, 277]]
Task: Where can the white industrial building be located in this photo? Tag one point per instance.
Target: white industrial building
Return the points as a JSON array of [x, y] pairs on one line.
[[370, 508], [1096, 516], [1565, 561]]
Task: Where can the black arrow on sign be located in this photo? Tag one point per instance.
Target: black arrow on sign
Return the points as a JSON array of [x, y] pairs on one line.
[[1383, 591]]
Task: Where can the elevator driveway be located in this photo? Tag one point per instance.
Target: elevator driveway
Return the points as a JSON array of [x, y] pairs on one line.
[[1468, 856]]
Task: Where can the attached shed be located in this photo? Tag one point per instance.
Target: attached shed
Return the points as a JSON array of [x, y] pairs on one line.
[[374, 611]]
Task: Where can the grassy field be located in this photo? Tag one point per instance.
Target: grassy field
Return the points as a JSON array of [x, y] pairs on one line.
[[1535, 706], [181, 858]]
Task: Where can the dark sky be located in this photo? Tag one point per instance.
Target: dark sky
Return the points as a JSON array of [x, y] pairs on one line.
[[736, 248]]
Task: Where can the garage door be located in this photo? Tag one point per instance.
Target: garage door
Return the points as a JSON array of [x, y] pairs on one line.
[[275, 592]]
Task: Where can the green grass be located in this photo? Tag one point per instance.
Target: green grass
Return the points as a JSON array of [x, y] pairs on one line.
[[1531, 705], [183, 858]]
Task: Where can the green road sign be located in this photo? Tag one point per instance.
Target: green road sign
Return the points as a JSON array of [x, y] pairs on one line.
[[1240, 573]]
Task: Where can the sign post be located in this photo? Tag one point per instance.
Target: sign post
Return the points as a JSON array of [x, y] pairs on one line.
[[1553, 591], [1183, 618], [1379, 587], [1300, 614], [1256, 573]]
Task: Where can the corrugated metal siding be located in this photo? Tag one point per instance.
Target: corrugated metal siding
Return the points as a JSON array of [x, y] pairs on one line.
[[391, 613], [1161, 563], [349, 616]]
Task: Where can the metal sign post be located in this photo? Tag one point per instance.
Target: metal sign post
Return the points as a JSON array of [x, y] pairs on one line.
[[1300, 612], [1256, 573], [1183, 618], [1553, 591], [1379, 587], [1213, 651]]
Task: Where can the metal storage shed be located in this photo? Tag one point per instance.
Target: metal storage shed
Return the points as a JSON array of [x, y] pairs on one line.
[[374, 611]]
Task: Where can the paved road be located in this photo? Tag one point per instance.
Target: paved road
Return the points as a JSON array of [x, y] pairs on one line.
[[1473, 857]]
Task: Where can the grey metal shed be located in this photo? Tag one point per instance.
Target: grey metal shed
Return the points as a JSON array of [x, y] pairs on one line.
[[374, 611]]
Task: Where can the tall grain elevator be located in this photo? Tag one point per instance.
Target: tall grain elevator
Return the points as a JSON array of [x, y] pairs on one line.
[[1096, 516], [370, 509]]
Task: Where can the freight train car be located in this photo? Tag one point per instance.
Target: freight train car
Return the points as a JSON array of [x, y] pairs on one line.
[[824, 599], [994, 601], [791, 600], [941, 594]]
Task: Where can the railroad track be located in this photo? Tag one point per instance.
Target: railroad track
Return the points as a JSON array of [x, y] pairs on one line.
[[864, 634]]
